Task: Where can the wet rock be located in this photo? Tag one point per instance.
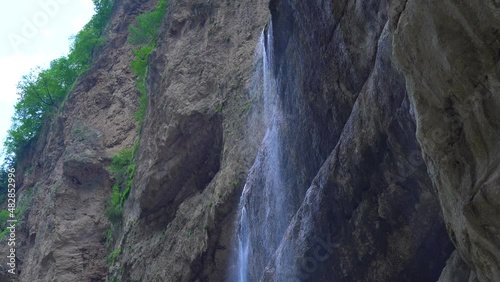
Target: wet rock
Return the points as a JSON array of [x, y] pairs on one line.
[[371, 213], [449, 53]]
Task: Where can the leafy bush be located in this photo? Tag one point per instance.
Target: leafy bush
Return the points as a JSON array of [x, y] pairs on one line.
[[4, 216], [143, 101], [108, 237], [144, 34], [22, 206], [147, 25], [139, 66], [4, 183], [114, 209], [119, 163], [140, 63], [128, 183], [113, 256], [123, 168]]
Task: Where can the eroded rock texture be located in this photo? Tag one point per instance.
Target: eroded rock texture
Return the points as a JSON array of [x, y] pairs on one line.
[[389, 145], [446, 54], [371, 213], [450, 53], [197, 144], [64, 181]]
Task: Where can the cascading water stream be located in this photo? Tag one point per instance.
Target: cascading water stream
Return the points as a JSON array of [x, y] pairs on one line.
[[243, 246], [263, 217]]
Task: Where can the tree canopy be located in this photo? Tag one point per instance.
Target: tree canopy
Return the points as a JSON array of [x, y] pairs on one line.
[[41, 92]]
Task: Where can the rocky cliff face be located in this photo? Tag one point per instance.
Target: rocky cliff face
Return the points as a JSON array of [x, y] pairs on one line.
[[196, 145], [65, 182], [387, 146], [370, 213], [450, 53]]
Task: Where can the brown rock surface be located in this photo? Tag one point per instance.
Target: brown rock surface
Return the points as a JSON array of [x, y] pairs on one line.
[[366, 89], [64, 179], [197, 143]]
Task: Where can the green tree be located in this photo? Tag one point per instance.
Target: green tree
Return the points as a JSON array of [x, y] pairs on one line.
[[83, 46], [39, 91], [42, 90], [90, 37]]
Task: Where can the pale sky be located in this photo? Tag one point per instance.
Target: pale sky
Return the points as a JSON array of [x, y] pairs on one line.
[[33, 33]]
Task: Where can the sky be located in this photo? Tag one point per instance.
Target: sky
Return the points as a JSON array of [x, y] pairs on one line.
[[33, 33]]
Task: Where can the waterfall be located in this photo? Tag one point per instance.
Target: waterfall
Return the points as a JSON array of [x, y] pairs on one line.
[[263, 214], [243, 246]]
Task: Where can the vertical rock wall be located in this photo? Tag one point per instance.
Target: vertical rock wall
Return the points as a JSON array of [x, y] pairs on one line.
[[371, 213], [197, 143], [450, 53], [367, 88], [64, 181]]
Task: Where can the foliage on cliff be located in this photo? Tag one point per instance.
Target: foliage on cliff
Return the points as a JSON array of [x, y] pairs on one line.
[[123, 168], [42, 91], [145, 30], [144, 34]]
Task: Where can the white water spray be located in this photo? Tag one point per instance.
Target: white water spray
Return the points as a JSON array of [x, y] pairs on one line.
[[262, 209]]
